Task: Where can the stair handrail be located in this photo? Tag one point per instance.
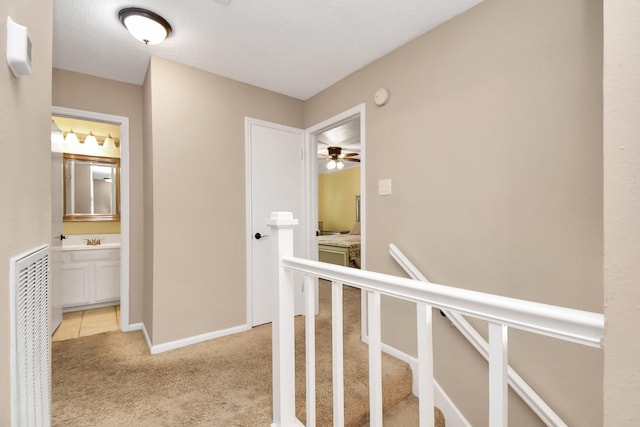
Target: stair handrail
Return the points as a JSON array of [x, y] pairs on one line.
[[578, 326], [502, 313], [517, 383]]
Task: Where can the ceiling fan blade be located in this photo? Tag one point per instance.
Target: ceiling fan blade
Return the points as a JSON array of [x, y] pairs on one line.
[[351, 160], [350, 154]]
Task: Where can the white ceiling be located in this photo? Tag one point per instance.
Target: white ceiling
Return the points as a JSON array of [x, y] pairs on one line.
[[293, 47]]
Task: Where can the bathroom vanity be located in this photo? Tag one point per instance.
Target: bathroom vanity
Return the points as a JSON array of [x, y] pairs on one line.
[[90, 271]]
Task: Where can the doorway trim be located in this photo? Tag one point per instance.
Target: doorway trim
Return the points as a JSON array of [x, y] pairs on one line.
[[311, 179], [125, 220]]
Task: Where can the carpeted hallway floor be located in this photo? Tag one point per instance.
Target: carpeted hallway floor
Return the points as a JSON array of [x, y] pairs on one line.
[[111, 379]]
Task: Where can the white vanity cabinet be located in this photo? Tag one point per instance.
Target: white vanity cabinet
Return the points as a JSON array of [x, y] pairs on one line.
[[90, 276]]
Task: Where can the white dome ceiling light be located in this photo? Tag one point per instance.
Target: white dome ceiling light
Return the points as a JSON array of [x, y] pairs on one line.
[[144, 25]]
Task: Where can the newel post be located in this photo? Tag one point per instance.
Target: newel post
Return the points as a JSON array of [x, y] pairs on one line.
[[284, 404]]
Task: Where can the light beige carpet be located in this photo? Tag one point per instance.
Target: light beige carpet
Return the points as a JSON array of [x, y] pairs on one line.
[[111, 379], [406, 414]]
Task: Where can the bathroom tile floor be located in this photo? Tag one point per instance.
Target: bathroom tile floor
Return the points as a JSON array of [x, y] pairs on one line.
[[77, 324]]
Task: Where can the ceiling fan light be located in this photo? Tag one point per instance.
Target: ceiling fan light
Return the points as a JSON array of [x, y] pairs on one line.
[[144, 25], [339, 164], [331, 165]]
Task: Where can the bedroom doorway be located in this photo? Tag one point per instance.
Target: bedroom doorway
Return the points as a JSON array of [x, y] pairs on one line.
[[351, 124], [336, 191]]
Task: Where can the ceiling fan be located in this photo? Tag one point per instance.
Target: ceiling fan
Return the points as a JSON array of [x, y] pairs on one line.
[[336, 156]]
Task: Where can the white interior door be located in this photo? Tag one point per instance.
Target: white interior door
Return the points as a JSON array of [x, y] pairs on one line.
[[275, 182], [55, 258]]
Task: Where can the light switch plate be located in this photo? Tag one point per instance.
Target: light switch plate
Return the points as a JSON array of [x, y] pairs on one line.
[[384, 187]]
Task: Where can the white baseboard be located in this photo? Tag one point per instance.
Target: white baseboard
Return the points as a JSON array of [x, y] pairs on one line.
[[172, 345], [134, 327], [140, 327], [452, 414], [410, 360]]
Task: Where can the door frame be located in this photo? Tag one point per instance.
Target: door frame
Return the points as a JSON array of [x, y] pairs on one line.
[[125, 220], [311, 194], [311, 178], [57, 209], [248, 122]]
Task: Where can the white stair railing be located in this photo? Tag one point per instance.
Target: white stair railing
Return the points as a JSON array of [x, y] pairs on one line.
[[577, 326], [519, 385]]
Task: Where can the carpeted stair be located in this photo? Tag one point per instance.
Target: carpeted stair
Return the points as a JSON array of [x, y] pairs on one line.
[[405, 414], [396, 375], [399, 405]]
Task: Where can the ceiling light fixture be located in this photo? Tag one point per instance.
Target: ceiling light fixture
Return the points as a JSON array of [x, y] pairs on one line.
[[144, 25]]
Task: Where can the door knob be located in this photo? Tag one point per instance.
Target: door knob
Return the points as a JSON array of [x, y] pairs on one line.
[[259, 236]]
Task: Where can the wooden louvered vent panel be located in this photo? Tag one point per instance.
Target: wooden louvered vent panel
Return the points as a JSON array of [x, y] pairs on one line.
[[30, 340]]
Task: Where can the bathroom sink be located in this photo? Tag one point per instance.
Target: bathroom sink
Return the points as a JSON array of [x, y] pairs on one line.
[[90, 242]]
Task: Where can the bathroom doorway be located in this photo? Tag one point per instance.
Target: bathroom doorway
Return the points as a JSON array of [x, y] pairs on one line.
[[124, 239]]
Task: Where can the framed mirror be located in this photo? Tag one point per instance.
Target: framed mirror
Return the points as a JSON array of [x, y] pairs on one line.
[[91, 188]]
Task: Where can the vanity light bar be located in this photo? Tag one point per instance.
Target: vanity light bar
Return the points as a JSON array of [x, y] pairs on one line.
[[82, 138]]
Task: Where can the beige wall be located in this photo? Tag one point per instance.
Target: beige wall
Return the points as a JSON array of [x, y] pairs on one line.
[[25, 163], [337, 193], [621, 212], [83, 92], [148, 206], [492, 138], [198, 200]]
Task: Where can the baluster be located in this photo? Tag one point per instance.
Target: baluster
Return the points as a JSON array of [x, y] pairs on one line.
[[337, 336], [425, 363], [498, 362], [310, 342], [375, 359]]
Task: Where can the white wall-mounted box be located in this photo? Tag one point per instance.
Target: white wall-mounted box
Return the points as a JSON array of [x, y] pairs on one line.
[[18, 48]]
